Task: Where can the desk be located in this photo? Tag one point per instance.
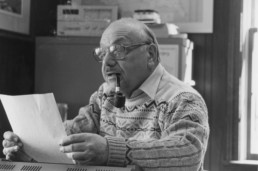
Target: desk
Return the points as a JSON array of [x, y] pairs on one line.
[[25, 166]]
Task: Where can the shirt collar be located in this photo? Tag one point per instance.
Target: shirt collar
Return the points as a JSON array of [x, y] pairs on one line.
[[150, 85]]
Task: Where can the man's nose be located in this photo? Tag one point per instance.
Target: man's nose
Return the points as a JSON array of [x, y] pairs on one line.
[[109, 60]]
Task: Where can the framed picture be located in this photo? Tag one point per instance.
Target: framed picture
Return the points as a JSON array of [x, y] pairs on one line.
[[197, 17], [191, 16], [15, 16]]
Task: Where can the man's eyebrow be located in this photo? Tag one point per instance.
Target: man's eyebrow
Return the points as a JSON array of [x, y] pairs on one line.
[[119, 41]]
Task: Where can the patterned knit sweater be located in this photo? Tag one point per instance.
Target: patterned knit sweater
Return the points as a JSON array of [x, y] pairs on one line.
[[164, 127]]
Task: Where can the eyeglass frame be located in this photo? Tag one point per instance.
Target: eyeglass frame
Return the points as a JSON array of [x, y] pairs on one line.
[[125, 51]]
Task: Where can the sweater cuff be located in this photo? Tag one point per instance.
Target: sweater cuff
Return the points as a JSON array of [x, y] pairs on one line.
[[116, 151]]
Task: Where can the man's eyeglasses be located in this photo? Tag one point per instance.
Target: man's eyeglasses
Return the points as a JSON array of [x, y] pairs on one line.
[[118, 52]]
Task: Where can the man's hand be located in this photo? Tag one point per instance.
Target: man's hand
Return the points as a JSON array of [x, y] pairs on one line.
[[85, 148], [13, 148], [11, 144]]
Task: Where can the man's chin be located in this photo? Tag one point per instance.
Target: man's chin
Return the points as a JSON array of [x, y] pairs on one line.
[[110, 87]]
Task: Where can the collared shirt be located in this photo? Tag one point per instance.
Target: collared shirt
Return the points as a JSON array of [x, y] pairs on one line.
[[150, 85], [158, 78]]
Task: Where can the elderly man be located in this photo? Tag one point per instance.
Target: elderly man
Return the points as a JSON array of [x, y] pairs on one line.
[[163, 124]]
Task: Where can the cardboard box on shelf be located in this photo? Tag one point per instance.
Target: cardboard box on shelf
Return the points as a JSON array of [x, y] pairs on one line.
[[164, 30]]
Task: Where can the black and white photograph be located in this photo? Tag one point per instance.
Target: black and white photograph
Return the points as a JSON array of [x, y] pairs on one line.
[[128, 85]]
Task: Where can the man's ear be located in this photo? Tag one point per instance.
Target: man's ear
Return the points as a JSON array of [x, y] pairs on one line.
[[153, 56]]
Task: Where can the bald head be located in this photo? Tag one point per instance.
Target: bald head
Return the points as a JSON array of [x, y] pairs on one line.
[[128, 30]]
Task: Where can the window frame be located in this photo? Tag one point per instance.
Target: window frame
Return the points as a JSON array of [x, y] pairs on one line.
[[252, 32], [245, 114]]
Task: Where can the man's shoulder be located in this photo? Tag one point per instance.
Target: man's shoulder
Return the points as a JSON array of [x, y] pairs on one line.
[[170, 87]]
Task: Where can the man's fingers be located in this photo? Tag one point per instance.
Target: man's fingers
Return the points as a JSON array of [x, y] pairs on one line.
[[8, 135], [74, 138], [74, 162], [77, 156], [6, 143], [80, 159], [10, 156], [77, 147], [10, 150]]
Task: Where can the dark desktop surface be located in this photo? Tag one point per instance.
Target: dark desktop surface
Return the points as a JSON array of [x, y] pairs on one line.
[[28, 166]]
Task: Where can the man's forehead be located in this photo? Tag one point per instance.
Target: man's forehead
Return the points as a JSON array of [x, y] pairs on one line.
[[117, 35]]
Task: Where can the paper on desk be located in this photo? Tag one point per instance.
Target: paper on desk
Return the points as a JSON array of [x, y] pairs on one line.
[[36, 120]]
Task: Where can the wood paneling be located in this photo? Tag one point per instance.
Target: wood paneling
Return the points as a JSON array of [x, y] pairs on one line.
[[16, 72]]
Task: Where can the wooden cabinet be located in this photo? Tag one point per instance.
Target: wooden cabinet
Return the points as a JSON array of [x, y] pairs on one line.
[[66, 67], [176, 57]]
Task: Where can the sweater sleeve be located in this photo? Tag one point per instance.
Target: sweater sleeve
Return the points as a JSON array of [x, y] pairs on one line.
[[88, 117], [182, 144]]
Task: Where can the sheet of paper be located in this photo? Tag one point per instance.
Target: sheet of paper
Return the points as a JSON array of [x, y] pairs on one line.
[[36, 120]]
